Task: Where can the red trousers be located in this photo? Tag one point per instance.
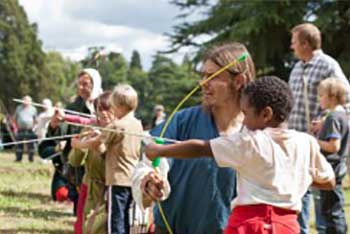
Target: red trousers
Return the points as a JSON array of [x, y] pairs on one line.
[[78, 225], [262, 219]]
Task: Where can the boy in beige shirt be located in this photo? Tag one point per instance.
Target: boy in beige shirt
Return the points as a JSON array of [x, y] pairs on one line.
[[122, 155]]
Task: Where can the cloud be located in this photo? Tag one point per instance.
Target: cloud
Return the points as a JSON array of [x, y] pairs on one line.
[[154, 15], [70, 27]]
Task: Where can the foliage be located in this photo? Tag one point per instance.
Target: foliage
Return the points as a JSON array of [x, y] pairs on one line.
[[112, 66], [62, 77], [135, 61], [169, 83], [264, 26], [334, 21], [24, 67], [21, 56], [113, 70], [139, 80]]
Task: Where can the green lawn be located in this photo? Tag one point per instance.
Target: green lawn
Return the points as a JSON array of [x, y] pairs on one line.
[[25, 202], [26, 206]]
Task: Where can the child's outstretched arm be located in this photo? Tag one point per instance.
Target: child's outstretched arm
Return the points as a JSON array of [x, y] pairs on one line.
[[329, 185], [92, 142], [330, 146], [181, 150]]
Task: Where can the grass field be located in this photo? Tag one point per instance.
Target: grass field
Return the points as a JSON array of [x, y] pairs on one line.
[[25, 202], [26, 205]]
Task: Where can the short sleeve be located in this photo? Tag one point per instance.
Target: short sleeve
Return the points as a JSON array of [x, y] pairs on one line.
[[18, 109], [332, 128], [235, 150], [35, 112]]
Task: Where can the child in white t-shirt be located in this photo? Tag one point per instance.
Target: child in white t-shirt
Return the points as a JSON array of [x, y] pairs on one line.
[[274, 165]]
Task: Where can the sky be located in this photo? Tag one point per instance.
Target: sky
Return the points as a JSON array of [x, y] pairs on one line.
[[71, 26]]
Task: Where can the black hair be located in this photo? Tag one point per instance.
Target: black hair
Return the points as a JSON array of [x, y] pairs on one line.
[[273, 92]]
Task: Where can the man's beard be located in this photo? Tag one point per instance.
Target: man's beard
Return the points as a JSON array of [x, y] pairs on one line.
[[206, 106]]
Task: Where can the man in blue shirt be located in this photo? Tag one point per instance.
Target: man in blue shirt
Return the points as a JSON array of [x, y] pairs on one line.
[[201, 192]]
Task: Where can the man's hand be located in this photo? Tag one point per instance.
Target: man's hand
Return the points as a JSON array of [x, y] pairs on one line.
[[152, 186]]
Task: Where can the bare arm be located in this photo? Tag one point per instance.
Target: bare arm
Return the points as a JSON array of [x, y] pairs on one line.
[[182, 150], [92, 143], [330, 146], [329, 185]]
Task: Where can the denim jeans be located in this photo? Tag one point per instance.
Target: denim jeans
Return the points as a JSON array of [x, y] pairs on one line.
[[320, 219], [304, 215], [333, 210]]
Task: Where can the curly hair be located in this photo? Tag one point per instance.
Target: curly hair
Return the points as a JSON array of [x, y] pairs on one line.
[[273, 92]]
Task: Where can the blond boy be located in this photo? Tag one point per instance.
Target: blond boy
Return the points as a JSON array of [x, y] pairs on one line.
[[122, 154], [333, 139]]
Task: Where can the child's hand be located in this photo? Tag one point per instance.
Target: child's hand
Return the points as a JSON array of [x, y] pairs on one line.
[[316, 126], [75, 143], [94, 133], [151, 151], [94, 142]]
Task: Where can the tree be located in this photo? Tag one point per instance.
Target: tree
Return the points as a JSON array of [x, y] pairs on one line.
[[94, 57], [137, 78], [333, 19], [264, 26], [112, 67], [62, 75], [169, 83], [135, 62], [21, 57]]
